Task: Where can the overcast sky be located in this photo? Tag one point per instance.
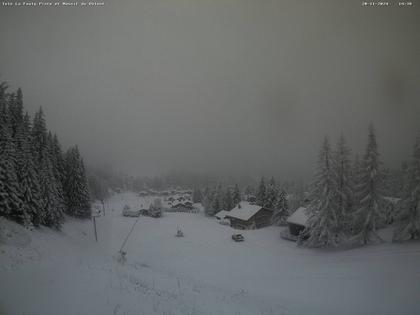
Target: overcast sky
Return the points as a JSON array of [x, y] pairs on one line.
[[238, 86]]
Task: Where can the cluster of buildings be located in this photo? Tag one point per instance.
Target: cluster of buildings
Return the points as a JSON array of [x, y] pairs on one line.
[[180, 203], [247, 215], [174, 200]]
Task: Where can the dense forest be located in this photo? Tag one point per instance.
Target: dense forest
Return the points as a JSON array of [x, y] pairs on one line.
[[39, 183]]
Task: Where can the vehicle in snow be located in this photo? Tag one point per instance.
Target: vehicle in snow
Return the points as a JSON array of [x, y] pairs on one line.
[[238, 237], [155, 213], [127, 212]]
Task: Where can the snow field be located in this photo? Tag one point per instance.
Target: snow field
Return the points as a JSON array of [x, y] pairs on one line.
[[205, 272]]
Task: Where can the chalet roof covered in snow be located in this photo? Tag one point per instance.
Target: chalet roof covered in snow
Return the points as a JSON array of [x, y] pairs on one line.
[[299, 217], [221, 214], [245, 212]]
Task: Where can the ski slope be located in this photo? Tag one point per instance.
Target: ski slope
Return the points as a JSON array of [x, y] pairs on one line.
[[48, 272]]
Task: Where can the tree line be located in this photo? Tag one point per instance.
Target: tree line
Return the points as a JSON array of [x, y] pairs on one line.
[[38, 182], [347, 202], [219, 197]]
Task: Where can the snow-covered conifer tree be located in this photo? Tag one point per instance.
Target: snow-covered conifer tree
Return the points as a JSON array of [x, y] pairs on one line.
[[236, 195], [323, 227], [57, 165], [271, 194], [261, 193], [342, 171], [217, 199], [207, 201], [369, 199], [15, 111], [27, 174], [76, 187], [281, 209], [297, 197], [10, 194], [57, 159], [39, 137], [228, 200], [408, 217], [52, 204]]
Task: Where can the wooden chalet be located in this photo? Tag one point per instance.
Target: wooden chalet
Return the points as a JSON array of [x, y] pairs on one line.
[[246, 216]]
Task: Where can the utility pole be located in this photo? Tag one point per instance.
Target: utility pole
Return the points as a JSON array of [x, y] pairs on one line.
[[94, 216], [94, 227]]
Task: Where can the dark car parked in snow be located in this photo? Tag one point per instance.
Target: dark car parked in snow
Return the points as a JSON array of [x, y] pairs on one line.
[[238, 237]]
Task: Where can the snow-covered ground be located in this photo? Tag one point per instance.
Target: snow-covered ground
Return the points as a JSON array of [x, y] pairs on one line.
[[47, 272]]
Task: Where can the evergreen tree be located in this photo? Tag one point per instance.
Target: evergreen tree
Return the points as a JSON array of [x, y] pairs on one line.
[[10, 193], [409, 215], [39, 138], [370, 201], [342, 171], [323, 227], [16, 111], [76, 187], [249, 190], [297, 198], [197, 195], [271, 194], [261, 193], [393, 183], [228, 200], [207, 202], [58, 160], [217, 199], [356, 175], [57, 164], [42, 162], [27, 177], [236, 195], [52, 204], [281, 209]]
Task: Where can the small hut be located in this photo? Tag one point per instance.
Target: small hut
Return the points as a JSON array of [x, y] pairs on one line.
[[296, 223]]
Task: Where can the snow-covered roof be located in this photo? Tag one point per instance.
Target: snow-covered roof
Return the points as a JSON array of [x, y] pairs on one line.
[[245, 212], [221, 214], [299, 217]]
